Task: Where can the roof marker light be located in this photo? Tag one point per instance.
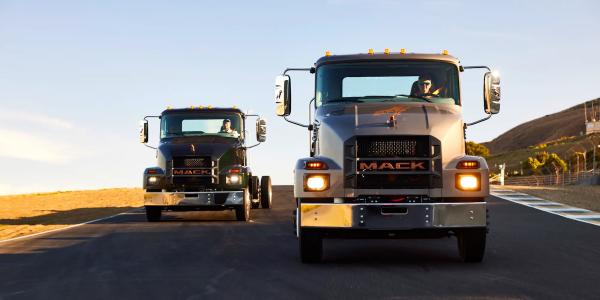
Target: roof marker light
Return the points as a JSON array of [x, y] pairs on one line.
[[386, 50], [327, 53], [445, 52], [402, 51], [371, 52], [168, 108], [192, 107], [209, 107], [200, 107]]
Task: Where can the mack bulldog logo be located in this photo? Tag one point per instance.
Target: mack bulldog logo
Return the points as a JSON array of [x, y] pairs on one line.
[[192, 172], [393, 166]]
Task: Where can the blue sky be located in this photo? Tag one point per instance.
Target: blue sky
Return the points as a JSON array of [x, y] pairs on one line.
[[76, 76]]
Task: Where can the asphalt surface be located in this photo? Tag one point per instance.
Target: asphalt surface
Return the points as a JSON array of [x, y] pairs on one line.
[[530, 255]]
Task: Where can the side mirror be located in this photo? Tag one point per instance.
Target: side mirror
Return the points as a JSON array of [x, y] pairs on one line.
[[283, 95], [261, 130], [491, 92], [143, 131]]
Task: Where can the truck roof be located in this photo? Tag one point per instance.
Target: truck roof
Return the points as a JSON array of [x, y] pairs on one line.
[[383, 57], [203, 109]]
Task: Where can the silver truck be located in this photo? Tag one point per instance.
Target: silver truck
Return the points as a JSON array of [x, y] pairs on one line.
[[387, 152]]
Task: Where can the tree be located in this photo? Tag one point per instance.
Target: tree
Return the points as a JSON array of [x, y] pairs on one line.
[[546, 161], [473, 148]]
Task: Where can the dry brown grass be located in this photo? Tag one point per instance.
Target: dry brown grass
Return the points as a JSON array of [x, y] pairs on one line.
[[27, 214], [582, 196]]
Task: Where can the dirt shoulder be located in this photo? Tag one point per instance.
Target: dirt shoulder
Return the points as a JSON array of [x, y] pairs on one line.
[[582, 196], [32, 213]]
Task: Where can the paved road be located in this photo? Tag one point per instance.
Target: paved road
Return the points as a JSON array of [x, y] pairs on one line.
[[530, 255]]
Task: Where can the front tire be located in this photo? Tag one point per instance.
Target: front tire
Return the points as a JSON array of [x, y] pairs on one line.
[[266, 192], [471, 244], [153, 213], [242, 213], [311, 246]]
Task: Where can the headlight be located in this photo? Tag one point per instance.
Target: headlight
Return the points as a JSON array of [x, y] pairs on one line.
[[468, 182], [153, 180], [233, 179], [316, 182]]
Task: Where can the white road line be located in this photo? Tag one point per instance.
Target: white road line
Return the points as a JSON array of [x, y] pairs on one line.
[[66, 228], [569, 212]]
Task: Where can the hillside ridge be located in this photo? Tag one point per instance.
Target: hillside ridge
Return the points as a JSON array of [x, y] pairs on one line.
[[565, 123]]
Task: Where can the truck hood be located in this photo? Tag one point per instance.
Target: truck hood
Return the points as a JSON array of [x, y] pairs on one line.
[[214, 147], [338, 123]]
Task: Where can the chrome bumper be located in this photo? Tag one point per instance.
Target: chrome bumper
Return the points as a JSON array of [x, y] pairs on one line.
[[393, 216], [194, 198]]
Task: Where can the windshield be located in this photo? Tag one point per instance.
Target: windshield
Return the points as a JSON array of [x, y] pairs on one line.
[[407, 81], [178, 125]]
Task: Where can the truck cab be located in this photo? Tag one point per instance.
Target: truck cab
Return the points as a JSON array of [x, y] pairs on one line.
[[387, 152], [201, 163]]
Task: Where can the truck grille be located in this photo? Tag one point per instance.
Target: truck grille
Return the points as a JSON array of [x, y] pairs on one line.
[[187, 182], [388, 158], [192, 162], [392, 146]]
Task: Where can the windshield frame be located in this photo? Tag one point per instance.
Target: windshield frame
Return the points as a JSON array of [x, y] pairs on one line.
[[189, 115], [455, 67]]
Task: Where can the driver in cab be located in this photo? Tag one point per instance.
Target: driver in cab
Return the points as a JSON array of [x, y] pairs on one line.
[[424, 87], [226, 128]]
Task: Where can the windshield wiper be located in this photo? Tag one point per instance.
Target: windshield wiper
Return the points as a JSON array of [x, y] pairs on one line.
[[415, 96]]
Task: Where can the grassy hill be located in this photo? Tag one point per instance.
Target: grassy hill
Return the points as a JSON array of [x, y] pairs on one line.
[[559, 133], [566, 123], [565, 148], [32, 213]]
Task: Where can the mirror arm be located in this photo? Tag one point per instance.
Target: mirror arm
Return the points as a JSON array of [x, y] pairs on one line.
[[284, 73], [146, 117], [248, 147], [477, 67], [478, 121], [297, 69], [296, 123]]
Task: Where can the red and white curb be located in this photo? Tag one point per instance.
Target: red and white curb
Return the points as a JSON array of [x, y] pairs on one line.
[[569, 212]]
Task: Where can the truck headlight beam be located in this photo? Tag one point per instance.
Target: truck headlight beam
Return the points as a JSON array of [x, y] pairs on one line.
[[468, 182], [233, 179], [153, 180], [316, 182]]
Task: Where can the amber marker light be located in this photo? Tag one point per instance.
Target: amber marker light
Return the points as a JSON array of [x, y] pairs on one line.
[[468, 182], [371, 52], [315, 165], [468, 164], [445, 52], [386, 50], [316, 182], [402, 51], [327, 53]]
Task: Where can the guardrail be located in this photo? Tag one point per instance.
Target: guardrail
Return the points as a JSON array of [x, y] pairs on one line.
[[562, 179]]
